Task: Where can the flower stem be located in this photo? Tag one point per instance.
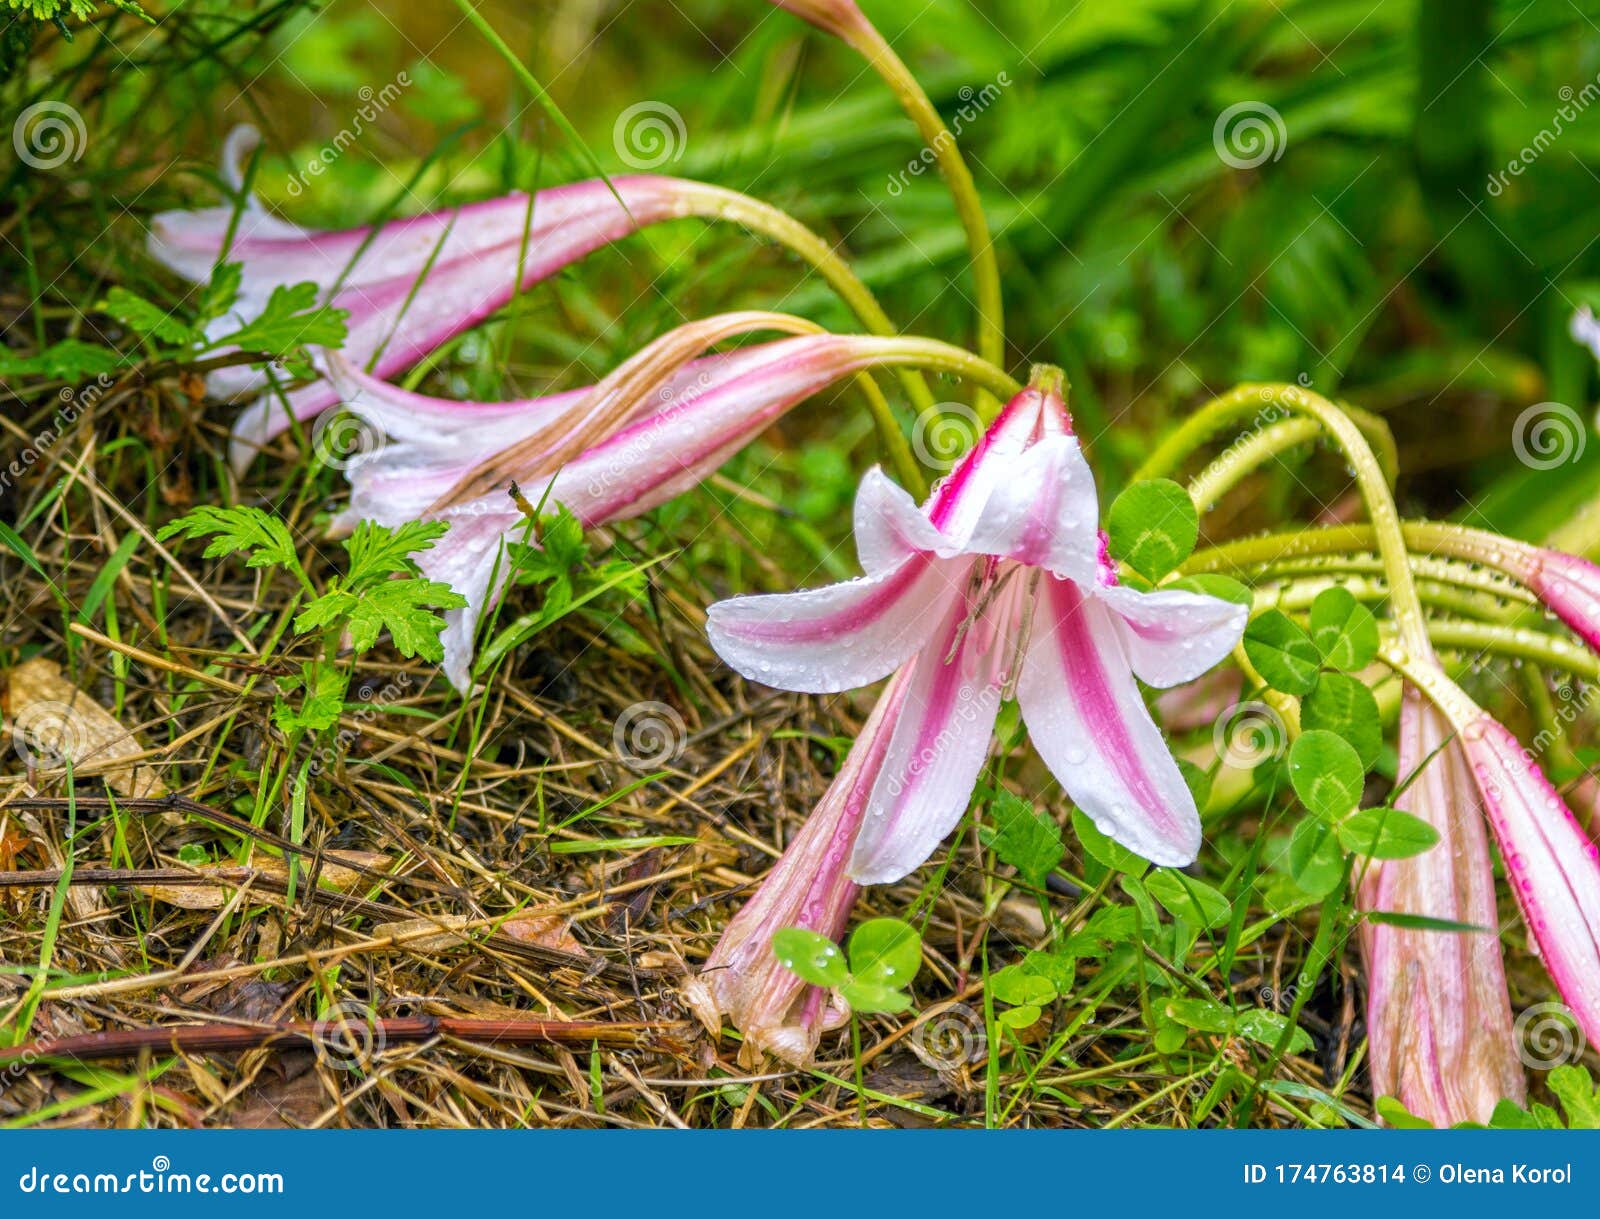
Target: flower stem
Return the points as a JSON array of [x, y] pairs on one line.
[[963, 191], [1242, 402]]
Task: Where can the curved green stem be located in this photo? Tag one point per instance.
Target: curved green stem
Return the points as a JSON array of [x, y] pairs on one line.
[[718, 203], [963, 191], [1258, 446], [1297, 594], [903, 351], [1370, 478]]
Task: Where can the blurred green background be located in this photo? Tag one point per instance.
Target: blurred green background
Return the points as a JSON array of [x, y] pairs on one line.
[[1373, 247]]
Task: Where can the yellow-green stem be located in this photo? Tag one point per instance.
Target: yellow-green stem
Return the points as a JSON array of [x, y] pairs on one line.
[[963, 191]]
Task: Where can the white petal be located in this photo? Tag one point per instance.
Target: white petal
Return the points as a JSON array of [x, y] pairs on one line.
[[941, 738], [830, 639], [1090, 725], [889, 526], [1173, 635], [1037, 507]]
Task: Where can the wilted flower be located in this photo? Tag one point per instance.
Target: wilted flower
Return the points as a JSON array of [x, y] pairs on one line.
[[1439, 1026], [1553, 864], [999, 582], [809, 887], [656, 426], [408, 285]]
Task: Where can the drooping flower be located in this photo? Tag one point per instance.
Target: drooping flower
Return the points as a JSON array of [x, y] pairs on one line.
[[1439, 1027], [1568, 585], [467, 258], [1552, 862], [656, 426], [809, 888], [999, 583]]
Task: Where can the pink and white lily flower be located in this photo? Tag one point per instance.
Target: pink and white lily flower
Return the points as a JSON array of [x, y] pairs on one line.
[[808, 887], [1439, 1029], [654, 428], [467, 258], [1000, 582]]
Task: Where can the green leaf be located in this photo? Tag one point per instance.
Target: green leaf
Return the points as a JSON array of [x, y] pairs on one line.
[[1023, 837], [378, 552], [263, 538], [1344, 706], [1202, 1015], [1267, 1028], [1153, 527], [1344, 630], [815, 958], [1326, 774], [1422, 922], [404, 608], [291, 318], [1019, 1017], [1578, 1095], [1386, 833], [1315, 861], [1209, 584], [220, 292], [1281, 652], [1397, 1116], [1194, 901], [322, 690], [885, 952], [1105, 849], [1056, 968], [151, 321], [1017, 985], [867, 998], [68, 360]]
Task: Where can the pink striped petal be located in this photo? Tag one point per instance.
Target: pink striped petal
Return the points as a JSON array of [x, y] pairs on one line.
[[938, 749], [1570, 586], [889, 527], [830, 639], [1553, 865], [1041, 510], [1172, 635], [1029, 417], [1439, 1025], [1089, 723]]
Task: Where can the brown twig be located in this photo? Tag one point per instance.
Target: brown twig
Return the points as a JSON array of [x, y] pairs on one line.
[[339, 1032]]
